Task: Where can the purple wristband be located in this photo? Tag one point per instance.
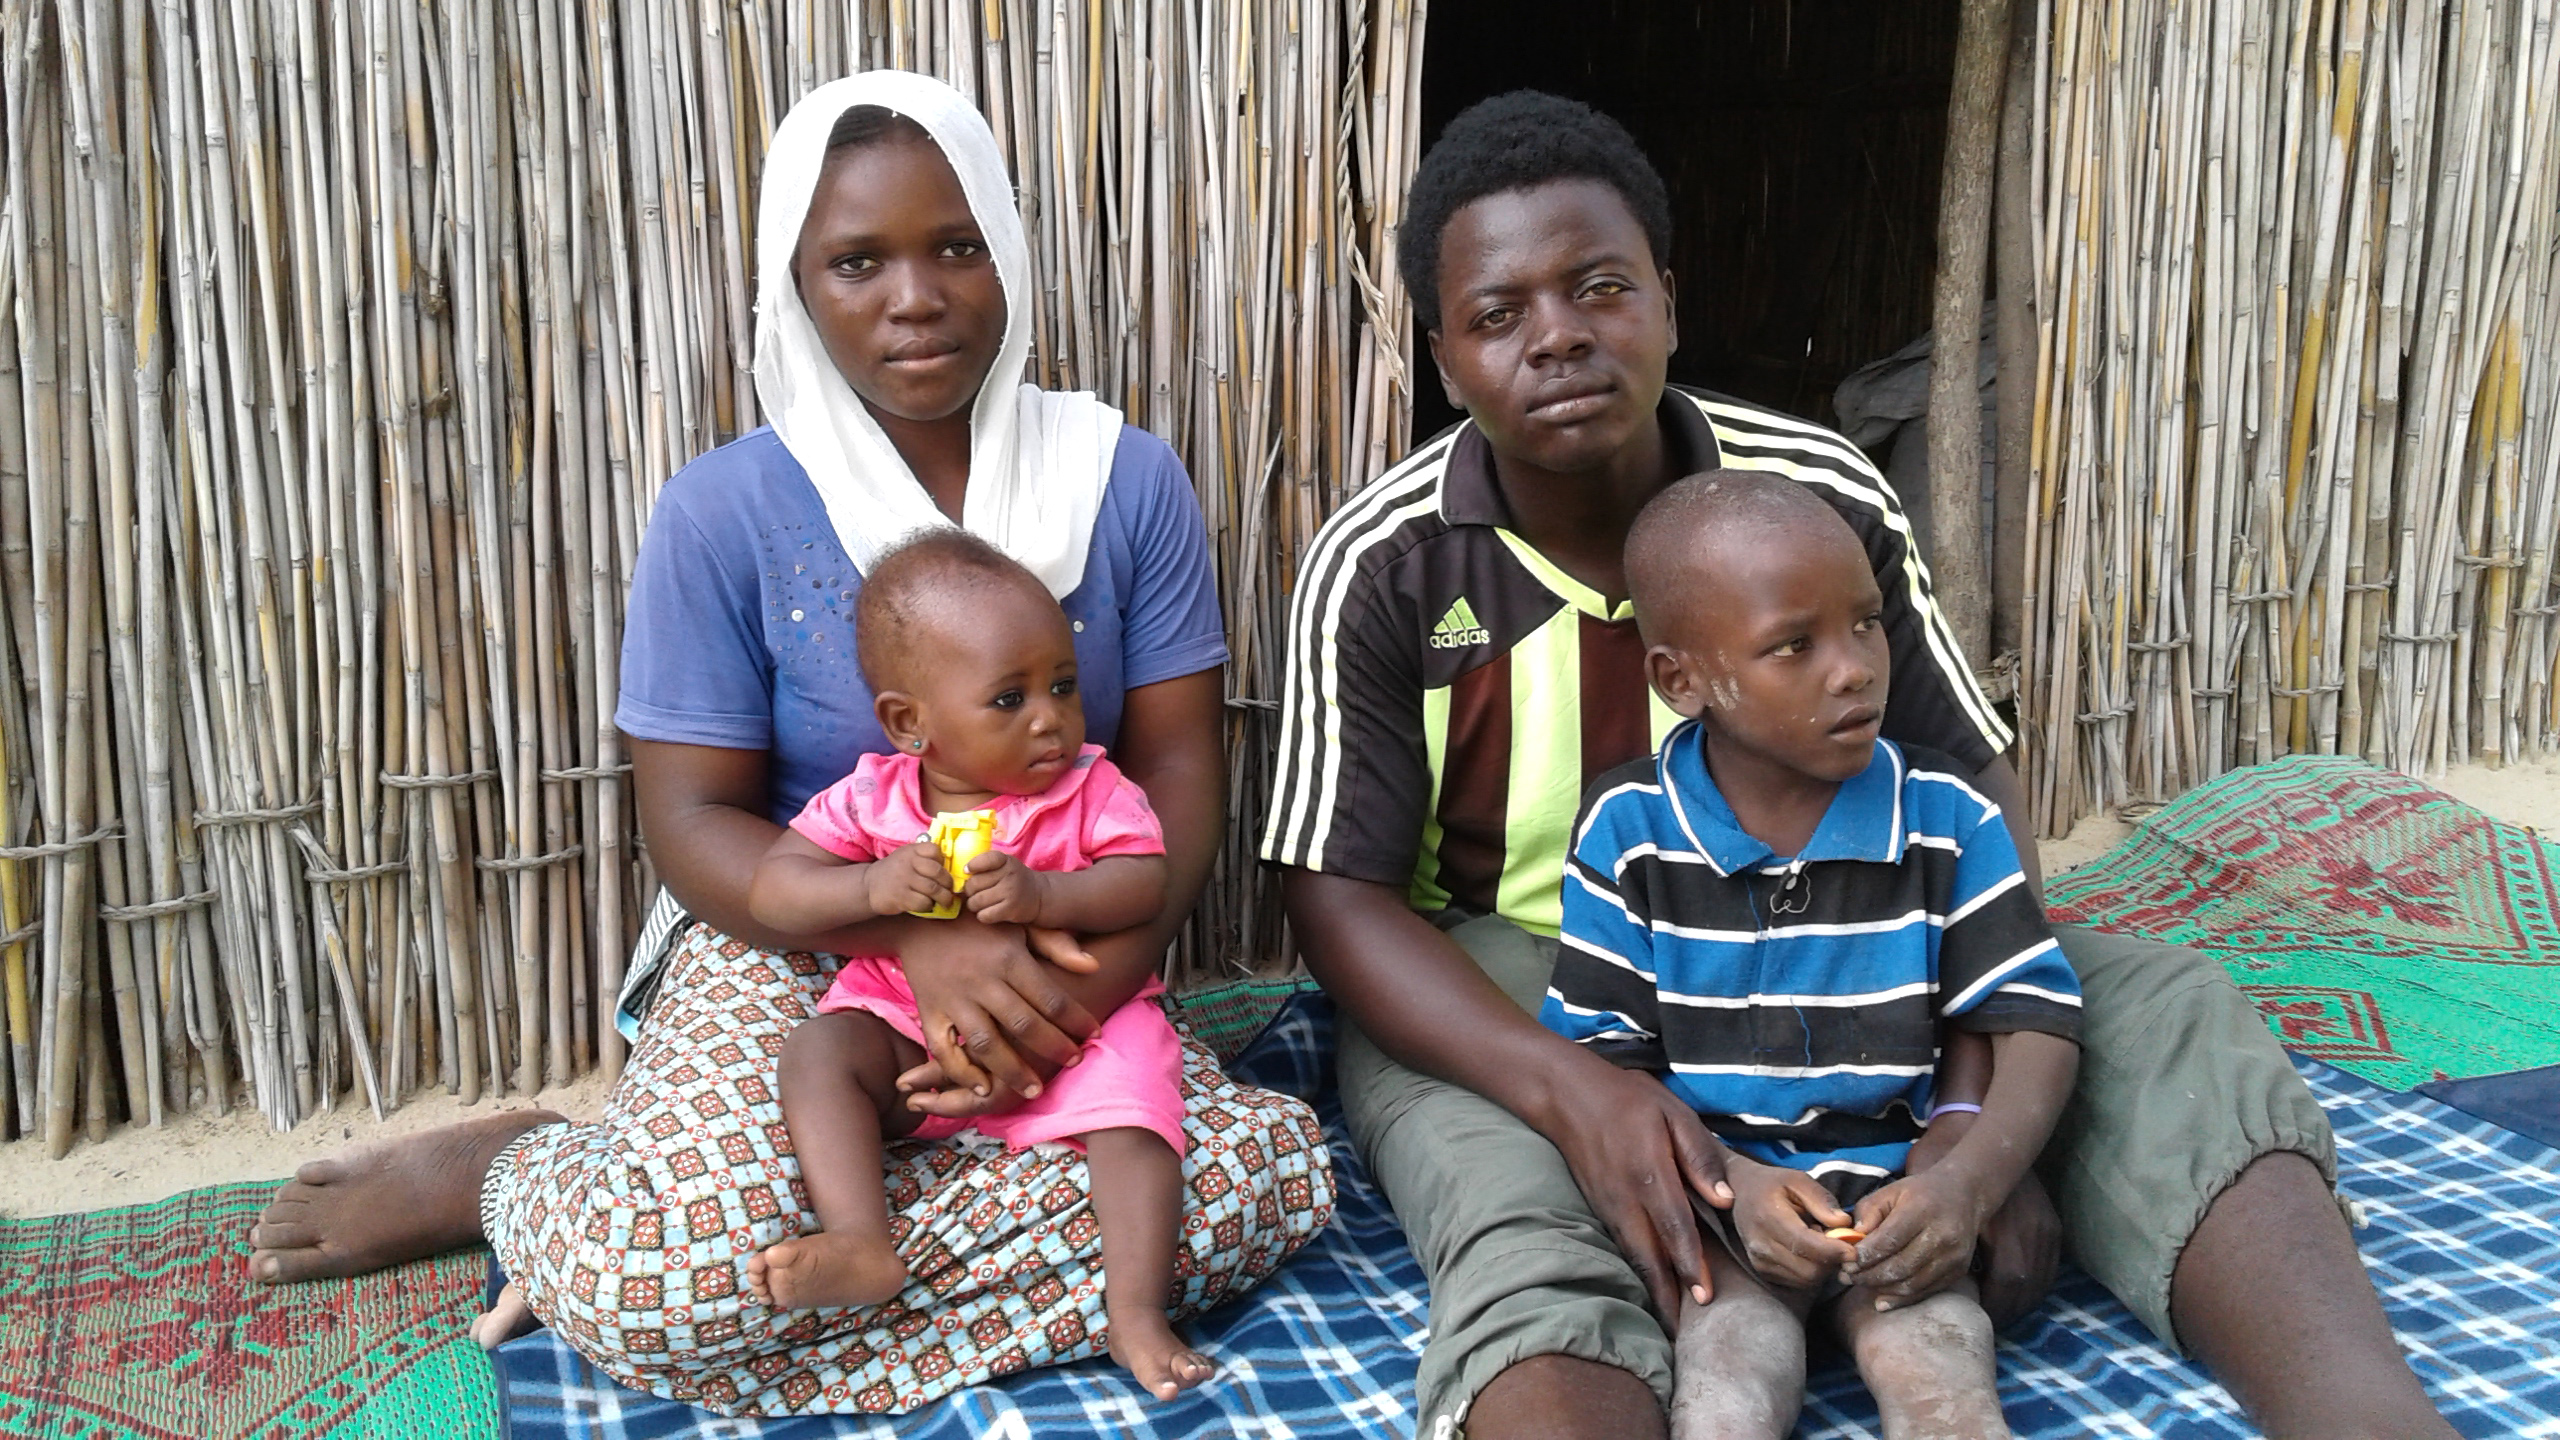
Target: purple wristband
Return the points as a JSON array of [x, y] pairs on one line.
[[1964, 1107]]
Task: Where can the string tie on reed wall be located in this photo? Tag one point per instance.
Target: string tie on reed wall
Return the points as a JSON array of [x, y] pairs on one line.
[[2489, 562], [2260, 597], [208, 819], [437, 782], [323, 875], [127, 914], [2211, 692], [2424, 637], [2330, 689], [61, 847], [532, 862], [22, 934], [2174, 642], [588, 772], [2096, 717], [317, 871]]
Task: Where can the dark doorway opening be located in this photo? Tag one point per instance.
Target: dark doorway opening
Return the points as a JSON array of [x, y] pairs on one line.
[[1800, 140]]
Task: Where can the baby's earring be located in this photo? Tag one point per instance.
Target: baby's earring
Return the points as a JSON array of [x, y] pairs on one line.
[[918, 742]]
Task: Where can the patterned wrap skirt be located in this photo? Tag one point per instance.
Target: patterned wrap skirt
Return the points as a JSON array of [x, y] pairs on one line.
[[630, 1236]]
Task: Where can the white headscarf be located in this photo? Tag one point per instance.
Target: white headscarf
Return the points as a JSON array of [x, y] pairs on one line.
[[1038, 460]]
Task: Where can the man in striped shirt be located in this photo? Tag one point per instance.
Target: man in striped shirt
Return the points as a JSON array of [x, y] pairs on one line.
[[1778, 915], [1462, 662]]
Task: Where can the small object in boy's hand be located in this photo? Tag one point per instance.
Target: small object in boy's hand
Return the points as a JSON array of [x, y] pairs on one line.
[[962, 836], [1850, 1233]]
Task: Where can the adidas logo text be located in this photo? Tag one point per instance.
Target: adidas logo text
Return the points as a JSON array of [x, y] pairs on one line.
[[1458, 629]]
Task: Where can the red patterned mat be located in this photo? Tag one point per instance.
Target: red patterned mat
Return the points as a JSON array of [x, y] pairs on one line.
[[140, 1324], [2381, 925]]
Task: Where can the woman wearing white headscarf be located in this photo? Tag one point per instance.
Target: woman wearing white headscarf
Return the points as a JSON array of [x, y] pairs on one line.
[[893, 320]]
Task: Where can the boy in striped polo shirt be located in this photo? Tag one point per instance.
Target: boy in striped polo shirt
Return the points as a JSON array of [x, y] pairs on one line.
[[1786, 918]]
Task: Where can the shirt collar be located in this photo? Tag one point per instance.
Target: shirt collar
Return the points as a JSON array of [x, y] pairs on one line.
[[1470, 495], [1863, 822]]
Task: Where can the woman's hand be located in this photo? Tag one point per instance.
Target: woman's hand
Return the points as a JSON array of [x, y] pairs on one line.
[[929, 1091], [990, 1008]]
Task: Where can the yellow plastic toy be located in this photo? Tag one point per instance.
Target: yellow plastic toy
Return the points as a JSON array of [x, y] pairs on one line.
[[962, 836]]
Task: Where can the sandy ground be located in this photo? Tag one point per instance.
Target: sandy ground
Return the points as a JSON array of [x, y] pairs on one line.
[[136, 1165]]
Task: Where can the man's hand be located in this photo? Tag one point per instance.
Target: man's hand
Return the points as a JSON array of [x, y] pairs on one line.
[[1003, 891], [1638, 1154], [1920, 1236], [909, 878], [1779, 1215]]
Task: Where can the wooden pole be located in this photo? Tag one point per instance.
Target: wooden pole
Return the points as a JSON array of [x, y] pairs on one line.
[[1955, 415]]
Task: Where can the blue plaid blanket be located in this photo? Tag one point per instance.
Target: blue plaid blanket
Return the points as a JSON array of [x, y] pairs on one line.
[[2460, 1237]]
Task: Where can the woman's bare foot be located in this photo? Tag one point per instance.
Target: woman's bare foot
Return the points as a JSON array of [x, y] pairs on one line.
[[507, 1317], [824, 1269], [380, 1205], [1142, 1340]]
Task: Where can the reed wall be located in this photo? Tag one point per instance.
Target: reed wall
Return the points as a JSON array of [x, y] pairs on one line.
[[342, 349], [2296, 447]]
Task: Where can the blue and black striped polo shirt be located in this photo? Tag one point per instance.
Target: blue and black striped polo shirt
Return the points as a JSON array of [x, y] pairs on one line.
[[1795, 1001]]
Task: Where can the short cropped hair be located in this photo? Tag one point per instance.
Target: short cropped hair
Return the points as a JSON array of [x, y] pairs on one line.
[[1685, 522], [897, 597], [1516, 141]]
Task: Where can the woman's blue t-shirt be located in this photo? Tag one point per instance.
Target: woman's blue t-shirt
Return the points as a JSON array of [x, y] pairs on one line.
[[740, 631]]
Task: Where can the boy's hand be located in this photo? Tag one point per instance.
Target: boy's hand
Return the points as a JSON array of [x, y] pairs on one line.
[[1780, 1215], [1003, 891], [907, 879], [1920, 1236]]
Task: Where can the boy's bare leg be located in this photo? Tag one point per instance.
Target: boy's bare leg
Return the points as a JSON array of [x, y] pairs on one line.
[[1137, 1195], [1738, 1371], [839, 1078], [1929, 1364]]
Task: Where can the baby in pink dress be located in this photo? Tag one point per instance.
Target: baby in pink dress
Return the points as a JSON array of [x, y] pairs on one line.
[[973, 668]]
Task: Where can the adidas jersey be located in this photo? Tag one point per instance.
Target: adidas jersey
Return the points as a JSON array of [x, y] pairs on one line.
[[1450, 691]]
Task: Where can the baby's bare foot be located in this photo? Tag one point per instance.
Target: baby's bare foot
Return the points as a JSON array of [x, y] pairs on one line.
[[817, 1270], [1142, 1340], [506, 1318]]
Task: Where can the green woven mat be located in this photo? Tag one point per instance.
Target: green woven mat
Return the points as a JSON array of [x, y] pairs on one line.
[[141, 1322], [1227, 1017], [2380, 925]]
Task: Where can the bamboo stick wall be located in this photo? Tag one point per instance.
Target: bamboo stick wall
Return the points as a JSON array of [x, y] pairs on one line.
[[342, 350], [2296, 445]]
